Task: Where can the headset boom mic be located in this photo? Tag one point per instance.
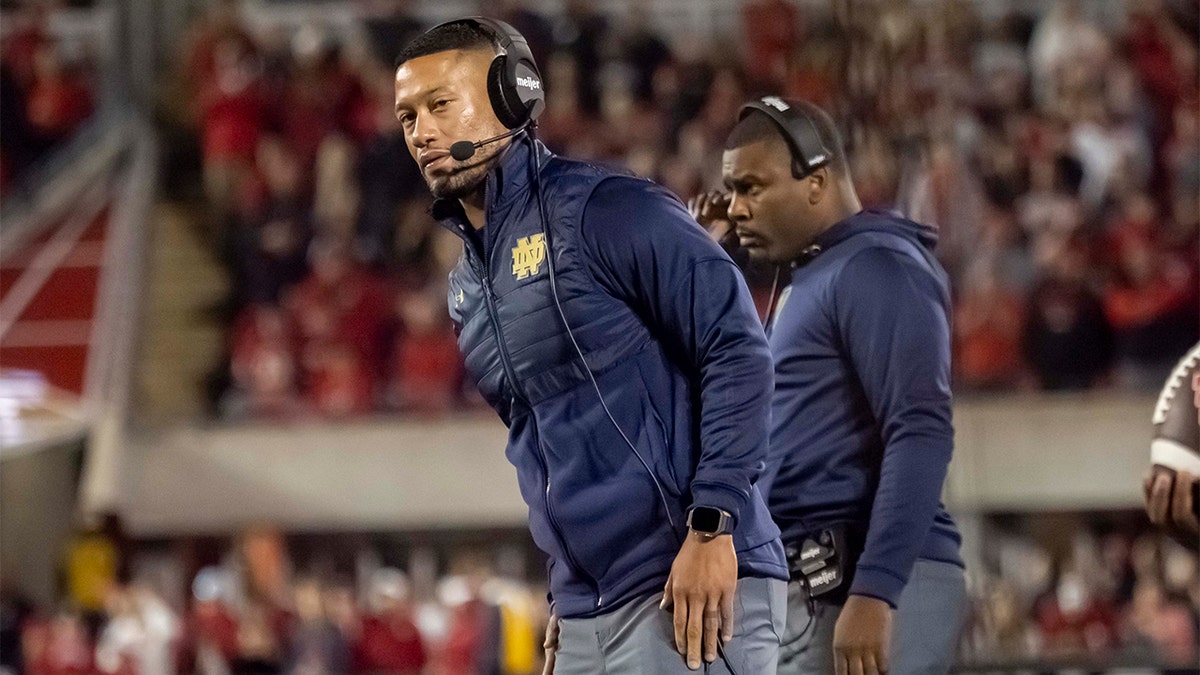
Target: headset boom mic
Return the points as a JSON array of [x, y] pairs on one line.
[[462, 150]]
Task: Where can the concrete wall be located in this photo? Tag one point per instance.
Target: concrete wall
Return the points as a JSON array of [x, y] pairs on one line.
[[1039, 453]]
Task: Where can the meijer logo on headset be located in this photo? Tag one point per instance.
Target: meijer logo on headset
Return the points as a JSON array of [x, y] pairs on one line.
[[529, 83]]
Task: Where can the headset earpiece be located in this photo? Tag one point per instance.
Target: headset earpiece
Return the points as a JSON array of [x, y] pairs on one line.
[[511, 117], [804, 142], [514, 84]]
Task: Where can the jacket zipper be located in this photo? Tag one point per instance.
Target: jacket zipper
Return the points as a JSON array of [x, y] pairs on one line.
[[518, 391]]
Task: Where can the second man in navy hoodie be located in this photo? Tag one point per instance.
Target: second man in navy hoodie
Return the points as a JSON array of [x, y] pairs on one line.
[[861, 435]]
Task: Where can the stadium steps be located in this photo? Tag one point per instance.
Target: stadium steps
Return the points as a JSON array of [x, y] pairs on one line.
[[183, 338]]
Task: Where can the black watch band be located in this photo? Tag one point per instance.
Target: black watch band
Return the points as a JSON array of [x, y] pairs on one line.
[[709, 522]]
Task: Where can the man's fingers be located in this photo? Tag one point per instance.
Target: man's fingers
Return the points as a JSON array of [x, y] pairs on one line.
[[712, 627], [1181, 503], [1147, 482], [727, 617], [1160, 499], [548, 669], [870, 666], [667, 599], [680, 612], [840, 666], [881, 659], [695, 631], [854, 664]]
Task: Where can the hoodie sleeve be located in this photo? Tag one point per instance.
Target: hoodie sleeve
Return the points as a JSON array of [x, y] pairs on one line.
[[892, 318], [646, 250]]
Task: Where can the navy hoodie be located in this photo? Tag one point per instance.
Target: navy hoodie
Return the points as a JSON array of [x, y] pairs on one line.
[[667, 328], [862, 434]]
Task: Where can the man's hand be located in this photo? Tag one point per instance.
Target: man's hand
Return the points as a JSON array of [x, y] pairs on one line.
[[862, 638], [550, 644], [711, 210], [1169, 504], [700, 590]]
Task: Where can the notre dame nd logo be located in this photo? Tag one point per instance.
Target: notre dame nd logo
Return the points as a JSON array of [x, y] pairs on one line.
[[528, 255]]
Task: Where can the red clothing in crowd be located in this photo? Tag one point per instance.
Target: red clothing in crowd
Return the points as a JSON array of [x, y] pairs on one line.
[[772, 28], [389, 645], [470, 625], [316, 105], [428, 369], [1091, 629], [349, 308], [57, 105], [215, 627], [232, 122], [50, 648]]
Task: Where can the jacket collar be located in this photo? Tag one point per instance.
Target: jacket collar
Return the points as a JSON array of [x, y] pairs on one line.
[[506, 187]]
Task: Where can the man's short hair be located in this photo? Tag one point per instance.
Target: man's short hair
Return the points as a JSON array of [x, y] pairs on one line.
[[757, 126], [464, 35]]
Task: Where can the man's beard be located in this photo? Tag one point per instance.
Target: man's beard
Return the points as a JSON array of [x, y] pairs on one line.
[[462, 182]]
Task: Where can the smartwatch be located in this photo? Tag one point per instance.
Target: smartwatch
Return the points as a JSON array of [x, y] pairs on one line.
[[709, 522]]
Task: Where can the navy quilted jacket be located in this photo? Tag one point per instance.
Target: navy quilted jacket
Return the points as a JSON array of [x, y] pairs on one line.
[[668, 329]]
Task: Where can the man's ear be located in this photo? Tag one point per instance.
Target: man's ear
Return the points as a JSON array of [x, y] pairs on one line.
[[818, 184]]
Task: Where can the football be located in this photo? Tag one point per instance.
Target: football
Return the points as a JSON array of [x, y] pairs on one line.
[[1176, 443]]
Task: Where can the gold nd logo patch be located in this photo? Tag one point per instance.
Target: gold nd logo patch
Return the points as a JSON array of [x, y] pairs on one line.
[[528, 255]]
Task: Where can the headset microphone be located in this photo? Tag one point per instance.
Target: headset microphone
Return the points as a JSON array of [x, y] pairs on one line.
[[464, 150]]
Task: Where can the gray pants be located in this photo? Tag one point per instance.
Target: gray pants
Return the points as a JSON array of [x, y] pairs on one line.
[[925, 626], [640, 638]]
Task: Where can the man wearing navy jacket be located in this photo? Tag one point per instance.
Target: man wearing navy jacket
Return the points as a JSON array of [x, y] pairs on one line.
[[861, 434], [621, 347]]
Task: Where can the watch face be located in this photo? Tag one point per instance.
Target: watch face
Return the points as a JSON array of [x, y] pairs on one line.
[[705, 519]]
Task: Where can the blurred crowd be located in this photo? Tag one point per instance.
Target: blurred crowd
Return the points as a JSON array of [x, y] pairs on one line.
[[1094, 597], [1058, 154], [1051, 591], [251, 614], [47, 90]]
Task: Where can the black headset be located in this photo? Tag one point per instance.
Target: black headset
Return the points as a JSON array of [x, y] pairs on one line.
[[514, 84], [804, 141]]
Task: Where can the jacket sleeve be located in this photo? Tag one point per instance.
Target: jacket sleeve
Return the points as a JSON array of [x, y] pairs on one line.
[[646, 250], [892, 318]]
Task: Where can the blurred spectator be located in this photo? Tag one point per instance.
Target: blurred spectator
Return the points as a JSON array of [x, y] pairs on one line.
[[427, 367], [340, 314], [1151, 299], [59, 98], [15, 611], [46, 88], [1165, 626], [320, 96], [473, 647], [389, 643], [644, 51], [316, 646], [212, 626], [271, 231], [988, 322], [1074, 621], [1067, 341], [947, 196], [1064, 39], [263, 366], [232, 109], [770, 29], [583, 33], [389, 26], [58, 647]]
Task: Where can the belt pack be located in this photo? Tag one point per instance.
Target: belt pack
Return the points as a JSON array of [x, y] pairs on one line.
[[824, 564]]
